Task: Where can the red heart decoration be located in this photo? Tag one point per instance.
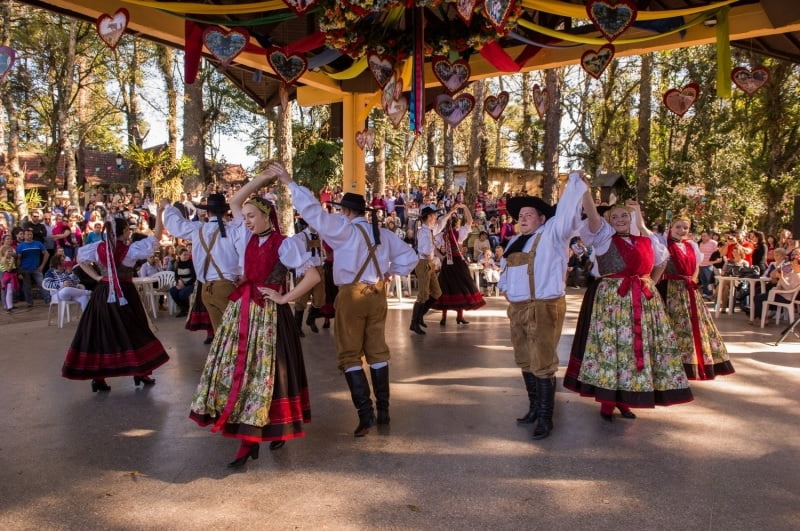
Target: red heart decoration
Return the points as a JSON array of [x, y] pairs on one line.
[[497, 11], [611, 17], [110, 28], [452, 75], [495, 105], [595, 62], [679, 101], [225, 45], [300, 6], [366, 139], [750, 80], [392, 90], [7, 57], [465, 10], [382, 68], [288, 67], [454, 110], [540, 100], [397, 109]]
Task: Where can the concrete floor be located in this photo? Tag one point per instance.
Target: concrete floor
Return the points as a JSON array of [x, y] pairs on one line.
[[452, 458]]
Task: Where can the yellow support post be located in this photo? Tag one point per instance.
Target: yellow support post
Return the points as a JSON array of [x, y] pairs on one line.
[[354, 175]]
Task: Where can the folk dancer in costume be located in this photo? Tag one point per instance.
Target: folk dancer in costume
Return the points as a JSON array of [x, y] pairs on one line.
[[700, 343], [215, 253], [366, 256], [534, 268], [427, 279], [459, 291], [113, 337], [254, 385], [311, 242], [331, 290], [631, 358]]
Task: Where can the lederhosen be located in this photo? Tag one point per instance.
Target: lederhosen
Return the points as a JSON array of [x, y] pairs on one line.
[[427, 279]]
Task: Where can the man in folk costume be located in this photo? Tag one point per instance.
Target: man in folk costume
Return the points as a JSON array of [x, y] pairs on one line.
[[214, 252], [310, 240], [427, 279], [366, 256], [534, 268]]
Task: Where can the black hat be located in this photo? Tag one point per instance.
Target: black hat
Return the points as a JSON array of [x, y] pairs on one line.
[[215, 203], [515, 204], [426, 212], [353, 202]]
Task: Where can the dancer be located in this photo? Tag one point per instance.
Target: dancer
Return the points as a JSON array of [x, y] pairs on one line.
[[427, 279], [459, 291], [331, 289], [310, 241], [700, 343], [254, 386], [631, 357], [534, 268], [113, 336], [366, 257]]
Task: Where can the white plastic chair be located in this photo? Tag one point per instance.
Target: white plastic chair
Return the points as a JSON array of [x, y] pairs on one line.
[[62, 308], [788, 306], [165, 280]]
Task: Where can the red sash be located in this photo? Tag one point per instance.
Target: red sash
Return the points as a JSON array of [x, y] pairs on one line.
[[684, 260]]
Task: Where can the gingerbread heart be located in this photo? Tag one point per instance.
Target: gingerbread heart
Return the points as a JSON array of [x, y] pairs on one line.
[[110, 28], [595, 62], [750, 80], [454, 110], [7, 57], [611, 17], [288, 67], [382, 68], [495, 105], [452, 75], [300, 6], [465, 10], [497, 11], [540, 100], [366, 139], [225, 45], [397, 109], [679, 101], [392, 90]]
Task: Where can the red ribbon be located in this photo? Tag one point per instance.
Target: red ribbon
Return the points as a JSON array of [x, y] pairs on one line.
[[497, 56], [193, 48]]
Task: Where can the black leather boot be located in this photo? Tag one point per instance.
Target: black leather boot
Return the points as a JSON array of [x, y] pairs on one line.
[[533, 409], [415, 327], [546, 393], [427, 305], [298, 320], [311, 321], [360, 393], [380, 386]]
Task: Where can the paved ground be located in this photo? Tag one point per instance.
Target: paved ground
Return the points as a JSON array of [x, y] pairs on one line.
[[453, 457]]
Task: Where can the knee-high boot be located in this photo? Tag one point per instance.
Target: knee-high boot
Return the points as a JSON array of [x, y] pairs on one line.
[[546, 393], [415, 317], [427, 305], [311, 321], [360, 393], [533, 409], [380, 386], [298, 320]]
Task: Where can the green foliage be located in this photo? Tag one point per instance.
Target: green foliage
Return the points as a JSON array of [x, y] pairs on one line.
[[320, 163], [166, 175]]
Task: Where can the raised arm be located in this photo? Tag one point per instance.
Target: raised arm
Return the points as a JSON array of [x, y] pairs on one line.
[[247, 190], [595, 220], [637, 209]]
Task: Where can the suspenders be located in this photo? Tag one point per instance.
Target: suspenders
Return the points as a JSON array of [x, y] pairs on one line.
[[370, 257], [209, 259]]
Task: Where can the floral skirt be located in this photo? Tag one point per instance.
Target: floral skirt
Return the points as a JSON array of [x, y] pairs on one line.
[[198, 318], [608, 369], [260, 393], [459, 291], [699, 342]]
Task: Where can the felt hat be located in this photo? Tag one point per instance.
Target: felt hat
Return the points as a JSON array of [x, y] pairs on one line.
[[215, 203], [515, 204], [353, 202]]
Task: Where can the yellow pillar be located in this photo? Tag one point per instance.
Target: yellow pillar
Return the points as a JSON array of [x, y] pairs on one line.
[[354, 108]]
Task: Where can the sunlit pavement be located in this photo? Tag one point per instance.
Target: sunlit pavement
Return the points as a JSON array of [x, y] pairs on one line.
[[453, 458]]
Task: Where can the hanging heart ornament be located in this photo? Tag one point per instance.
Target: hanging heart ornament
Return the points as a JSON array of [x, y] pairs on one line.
[[7, 57], [452, 75], [595, 62], [382, 68], [679, 101], [495, 105], [111, 27], [750, 80], [611, 17], [300, 6], [288, 67], [391, 91], [465, 10], [540, 100], [366, 139], [225, 45], [397, 109], [497, 11], [453, 110]]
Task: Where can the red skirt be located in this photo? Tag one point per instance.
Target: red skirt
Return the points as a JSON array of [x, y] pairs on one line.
[[459, 291]]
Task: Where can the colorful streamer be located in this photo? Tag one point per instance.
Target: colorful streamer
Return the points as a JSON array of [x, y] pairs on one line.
[[416, 111], [211, 9], [565, 9]]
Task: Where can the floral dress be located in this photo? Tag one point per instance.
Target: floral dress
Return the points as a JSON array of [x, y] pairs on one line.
[[630, 357], [700, 343]]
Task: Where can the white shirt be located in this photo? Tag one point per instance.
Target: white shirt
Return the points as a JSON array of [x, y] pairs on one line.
[[292, 252], [426, 237], [550, 264], [393, 254], [140, 250], [601, 241]]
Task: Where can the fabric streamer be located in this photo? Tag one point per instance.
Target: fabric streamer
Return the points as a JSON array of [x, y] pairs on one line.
[[497, 56], [723, 54], [565, 9], [193, 49], [416, 110], [211, 9], [327, 56]]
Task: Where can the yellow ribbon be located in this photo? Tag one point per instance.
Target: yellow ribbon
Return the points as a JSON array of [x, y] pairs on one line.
[[211, 9], [354, 70], [579, 11]]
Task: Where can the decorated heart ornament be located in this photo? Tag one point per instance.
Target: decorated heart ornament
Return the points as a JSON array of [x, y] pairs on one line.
[[382, 68], [7, 58], [453, 110], [288, 67], [225, 45], [497, 11], [595, 62], [540, 100], [110, 28], [300, 6], [452, 75], [392, 90], [366, 139], [397, 109], [750, 80], [495, 105], [679, 101], [465, 10], [611, 17]]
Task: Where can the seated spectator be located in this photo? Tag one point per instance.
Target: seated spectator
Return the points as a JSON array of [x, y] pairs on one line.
[[481, 244], [151, 266], [185, 278], [579, 265], [788, 277], [65, 283]]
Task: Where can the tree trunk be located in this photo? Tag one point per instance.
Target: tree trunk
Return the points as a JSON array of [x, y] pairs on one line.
[[166, 68], [475, 143], [527, 148], [193, 138], [448, 159], [64, 145], [430, 144], [643, 132], [551, 135], [284, 140], [379, 159], [12, 155]]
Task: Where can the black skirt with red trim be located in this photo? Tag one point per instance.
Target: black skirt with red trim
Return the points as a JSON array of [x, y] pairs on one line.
[[571, 381], [331, 290], [459, 291], [113, 340], [198, 318]]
